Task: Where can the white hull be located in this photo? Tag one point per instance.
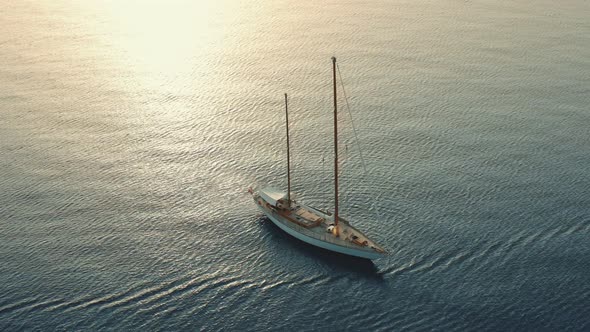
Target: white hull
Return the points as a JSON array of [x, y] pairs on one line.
[[319, 243]]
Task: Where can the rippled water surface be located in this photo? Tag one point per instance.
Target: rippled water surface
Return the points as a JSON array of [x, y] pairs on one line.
[[130, 131]]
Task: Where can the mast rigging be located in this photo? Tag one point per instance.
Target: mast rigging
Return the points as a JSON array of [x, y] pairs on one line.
[[288, 154], [335, 148]]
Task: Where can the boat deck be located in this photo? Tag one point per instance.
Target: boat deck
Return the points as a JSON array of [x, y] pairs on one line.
[[305, 217], [316, 223]]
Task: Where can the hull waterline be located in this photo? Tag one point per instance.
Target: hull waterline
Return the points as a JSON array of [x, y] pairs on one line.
[[319, 243]]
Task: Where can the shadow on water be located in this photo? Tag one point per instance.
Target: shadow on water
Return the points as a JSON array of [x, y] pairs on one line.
[[339, 262]]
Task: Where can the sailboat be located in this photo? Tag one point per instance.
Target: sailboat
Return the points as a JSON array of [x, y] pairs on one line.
[[311, 225]]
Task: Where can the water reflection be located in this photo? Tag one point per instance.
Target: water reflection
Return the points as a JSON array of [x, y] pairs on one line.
[[165, 44]]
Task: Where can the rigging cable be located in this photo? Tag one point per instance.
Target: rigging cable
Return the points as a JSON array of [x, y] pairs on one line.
[[358, 143]]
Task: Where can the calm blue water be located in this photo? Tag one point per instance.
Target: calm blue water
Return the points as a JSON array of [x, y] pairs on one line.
[[130, 132]]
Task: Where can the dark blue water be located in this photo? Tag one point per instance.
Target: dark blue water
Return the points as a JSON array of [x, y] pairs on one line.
[[130, 133]]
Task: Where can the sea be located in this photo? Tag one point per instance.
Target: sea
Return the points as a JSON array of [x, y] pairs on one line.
[[130, 132]]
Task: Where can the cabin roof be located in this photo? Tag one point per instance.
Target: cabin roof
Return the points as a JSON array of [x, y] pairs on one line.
[[272, 195]]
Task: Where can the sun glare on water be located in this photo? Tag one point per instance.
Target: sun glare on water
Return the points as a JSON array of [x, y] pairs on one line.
[[166, 40]]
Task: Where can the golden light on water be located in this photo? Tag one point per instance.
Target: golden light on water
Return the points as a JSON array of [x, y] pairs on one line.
[[158, 36], [164, 41]]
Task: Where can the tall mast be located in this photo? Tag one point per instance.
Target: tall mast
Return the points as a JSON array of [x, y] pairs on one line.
[[335, 149], [288, 155]]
